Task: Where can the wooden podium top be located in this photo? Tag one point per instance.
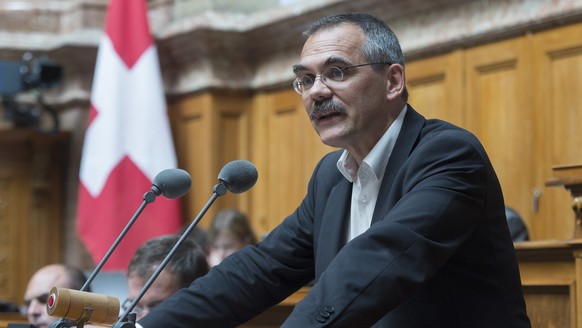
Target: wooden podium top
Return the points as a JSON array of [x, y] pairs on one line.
[[570, 178], [566, 175]]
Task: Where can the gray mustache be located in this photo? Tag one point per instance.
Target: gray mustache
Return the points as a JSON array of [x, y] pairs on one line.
[[326, 105]]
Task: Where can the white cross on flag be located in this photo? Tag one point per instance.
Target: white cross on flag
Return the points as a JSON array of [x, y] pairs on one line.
[[128, 140]]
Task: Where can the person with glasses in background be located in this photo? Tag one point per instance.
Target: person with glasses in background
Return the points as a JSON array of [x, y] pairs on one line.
[[187, 264], [39, 285], [403, 227]]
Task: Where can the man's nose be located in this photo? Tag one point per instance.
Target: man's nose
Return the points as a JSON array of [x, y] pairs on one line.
[[319, 90]]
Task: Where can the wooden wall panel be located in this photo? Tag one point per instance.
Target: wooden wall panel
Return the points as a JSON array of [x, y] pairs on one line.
[[285, 173], [287, 151], [31, 173], [197, 150], [12, 195], [436, 87], [499, 111], [210, 130], [519, 96], [557, 91], [233, 114]]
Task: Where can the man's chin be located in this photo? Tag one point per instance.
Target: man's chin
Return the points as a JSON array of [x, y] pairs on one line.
[[331, 138]]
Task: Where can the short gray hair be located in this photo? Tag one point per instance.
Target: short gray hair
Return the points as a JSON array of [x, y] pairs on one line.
[[380, 45]]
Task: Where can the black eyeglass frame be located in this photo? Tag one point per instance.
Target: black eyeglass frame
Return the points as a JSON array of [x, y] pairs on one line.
[[299, 84], [136, 309]]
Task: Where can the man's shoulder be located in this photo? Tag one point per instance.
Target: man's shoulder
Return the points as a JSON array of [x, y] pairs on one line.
[[443, 129]]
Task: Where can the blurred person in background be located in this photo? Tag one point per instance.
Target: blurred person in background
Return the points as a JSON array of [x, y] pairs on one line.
[[39, 285], [517, 227], [187, 264], [229, 232]]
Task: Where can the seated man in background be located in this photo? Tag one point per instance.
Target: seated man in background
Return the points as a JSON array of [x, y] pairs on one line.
[[35, 297], [187, 264], [229, 232]]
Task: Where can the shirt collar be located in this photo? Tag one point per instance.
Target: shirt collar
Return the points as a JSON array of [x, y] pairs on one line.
[[378, 157]]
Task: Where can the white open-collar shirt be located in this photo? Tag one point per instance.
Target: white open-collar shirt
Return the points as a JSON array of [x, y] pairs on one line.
[[367, 178]]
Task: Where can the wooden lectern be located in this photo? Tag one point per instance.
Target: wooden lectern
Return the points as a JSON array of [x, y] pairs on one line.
[[570, 177], [551, 270]]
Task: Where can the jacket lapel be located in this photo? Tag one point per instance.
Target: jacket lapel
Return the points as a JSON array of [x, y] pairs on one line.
[[411, 127]]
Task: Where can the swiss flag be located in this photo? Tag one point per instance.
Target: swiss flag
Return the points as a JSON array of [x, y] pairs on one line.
[[128, 140]]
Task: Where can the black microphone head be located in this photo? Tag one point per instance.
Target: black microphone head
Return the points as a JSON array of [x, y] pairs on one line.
[[238, 176], [172, 183]]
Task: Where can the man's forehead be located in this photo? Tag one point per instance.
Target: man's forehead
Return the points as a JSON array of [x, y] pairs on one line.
[[341, 44], [42, 284]]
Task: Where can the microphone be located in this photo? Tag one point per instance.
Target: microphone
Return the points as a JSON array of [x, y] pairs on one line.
[[82, 306], [237, 176], [171, 183]]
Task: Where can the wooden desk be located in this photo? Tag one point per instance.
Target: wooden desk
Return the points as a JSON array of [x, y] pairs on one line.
[[551, 275], [275, 316], [6, 318]]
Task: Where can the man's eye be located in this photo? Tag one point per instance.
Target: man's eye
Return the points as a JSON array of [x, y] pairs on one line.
[[336, 73], [306, 79]]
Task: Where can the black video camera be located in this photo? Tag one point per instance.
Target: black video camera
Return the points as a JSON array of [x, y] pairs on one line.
[[18, 76], [21, 76]]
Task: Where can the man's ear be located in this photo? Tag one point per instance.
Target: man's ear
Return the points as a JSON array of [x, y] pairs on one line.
[[395, 81]]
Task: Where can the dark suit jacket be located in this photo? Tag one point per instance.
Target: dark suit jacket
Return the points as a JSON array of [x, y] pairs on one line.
[[438, 253]]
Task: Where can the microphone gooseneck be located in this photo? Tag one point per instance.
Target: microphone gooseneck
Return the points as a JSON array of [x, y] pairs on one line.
[[238, 176], [83, 306], [172, 183]]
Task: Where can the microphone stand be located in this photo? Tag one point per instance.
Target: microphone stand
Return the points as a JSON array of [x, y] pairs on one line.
[[148, 198], [219, 189]]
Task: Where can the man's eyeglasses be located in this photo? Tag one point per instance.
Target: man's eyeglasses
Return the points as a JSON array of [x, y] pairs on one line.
[[330, 77], [42, 298]]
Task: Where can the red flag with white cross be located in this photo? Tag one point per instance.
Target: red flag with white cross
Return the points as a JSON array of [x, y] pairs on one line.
[[127, 142]]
